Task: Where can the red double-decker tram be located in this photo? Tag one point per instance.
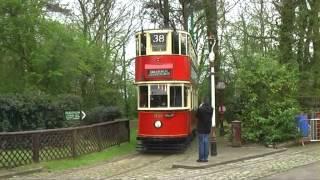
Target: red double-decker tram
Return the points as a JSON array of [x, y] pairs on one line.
[[167, 90]]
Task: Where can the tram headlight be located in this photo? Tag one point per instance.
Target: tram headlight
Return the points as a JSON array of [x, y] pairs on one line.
[[157, 124]]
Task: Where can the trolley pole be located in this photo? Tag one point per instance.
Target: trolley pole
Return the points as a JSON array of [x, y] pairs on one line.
[[213, 140]]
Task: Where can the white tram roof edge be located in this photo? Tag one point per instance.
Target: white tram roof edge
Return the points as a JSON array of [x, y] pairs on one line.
[[161, 31], [162, 82]]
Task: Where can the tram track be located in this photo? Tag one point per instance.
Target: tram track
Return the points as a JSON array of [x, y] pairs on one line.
[[163, 157]]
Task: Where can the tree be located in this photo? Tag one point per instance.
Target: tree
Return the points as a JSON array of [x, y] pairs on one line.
[[19, 22], [265, 99]]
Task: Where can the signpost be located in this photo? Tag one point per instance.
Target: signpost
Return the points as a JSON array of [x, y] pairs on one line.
[[74, 115]]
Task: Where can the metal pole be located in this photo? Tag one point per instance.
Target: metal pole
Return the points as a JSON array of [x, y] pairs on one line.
[[213, 101]]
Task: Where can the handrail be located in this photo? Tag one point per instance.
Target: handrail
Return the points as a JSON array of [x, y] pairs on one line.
[[61, 129]]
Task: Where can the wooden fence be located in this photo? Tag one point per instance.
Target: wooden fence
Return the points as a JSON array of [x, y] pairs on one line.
[[21, 148]]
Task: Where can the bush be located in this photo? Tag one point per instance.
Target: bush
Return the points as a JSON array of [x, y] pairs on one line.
[[102, 114], [30, 112], [265, 100]]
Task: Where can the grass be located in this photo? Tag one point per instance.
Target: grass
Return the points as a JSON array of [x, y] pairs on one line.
[[84, 160], [93, 158]]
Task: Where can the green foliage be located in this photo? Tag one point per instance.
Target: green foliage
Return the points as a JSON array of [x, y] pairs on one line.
[[19, 23], [102, 114], [44, 56], [30, 111], [265, 93]]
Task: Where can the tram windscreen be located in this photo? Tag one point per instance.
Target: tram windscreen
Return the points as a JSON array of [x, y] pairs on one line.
[[175, 96], [158, 95], [159, 41]]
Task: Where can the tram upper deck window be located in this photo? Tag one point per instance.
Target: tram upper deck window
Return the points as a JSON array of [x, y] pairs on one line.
[[143, 44], [143, 96], [158, 96], [159, 41], [183, 43], [137, 45], [175, 96], [175, 43]]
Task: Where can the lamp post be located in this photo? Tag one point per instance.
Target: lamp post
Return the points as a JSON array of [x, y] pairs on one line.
[[221, 86], [213, 140]]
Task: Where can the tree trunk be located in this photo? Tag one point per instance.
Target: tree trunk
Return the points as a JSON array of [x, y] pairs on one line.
[[303, 42], [262, 28], [315, 9], [287, 14], [165, 11], [212, 30]]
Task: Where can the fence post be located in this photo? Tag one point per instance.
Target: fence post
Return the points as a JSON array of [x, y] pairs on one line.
[[118, 133], [35, 147], [74, 143], [99, 138], [128, 127]]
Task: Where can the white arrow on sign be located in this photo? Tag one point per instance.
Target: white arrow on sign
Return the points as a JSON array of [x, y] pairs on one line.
[[83, 115]]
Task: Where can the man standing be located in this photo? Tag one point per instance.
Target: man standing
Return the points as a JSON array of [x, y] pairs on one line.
[[204, 115]]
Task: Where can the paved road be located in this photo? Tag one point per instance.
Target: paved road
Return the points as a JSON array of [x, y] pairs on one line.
[[250, 169], [309, 172], [158, 166]]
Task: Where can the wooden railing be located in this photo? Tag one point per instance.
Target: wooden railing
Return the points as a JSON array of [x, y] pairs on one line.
[[21, 148]]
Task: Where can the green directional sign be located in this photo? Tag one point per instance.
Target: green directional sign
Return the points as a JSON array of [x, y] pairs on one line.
[[74, 115]]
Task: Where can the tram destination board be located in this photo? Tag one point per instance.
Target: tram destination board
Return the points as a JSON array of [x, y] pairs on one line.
[[159, 72], [158, 41]]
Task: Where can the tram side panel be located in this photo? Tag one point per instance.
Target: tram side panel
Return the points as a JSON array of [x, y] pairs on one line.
[[165, 124], [173, 67]]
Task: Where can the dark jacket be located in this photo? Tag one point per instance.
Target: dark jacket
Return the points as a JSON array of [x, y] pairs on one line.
[[204, 115]]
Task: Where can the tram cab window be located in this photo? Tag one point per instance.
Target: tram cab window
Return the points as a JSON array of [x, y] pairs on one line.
[[143, 96], [158, 41], [183, 44], [158, 96], [175, 43], [143, 44], [175, 96]]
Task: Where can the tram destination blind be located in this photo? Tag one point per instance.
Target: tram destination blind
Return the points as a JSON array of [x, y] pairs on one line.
[[158, 41], [159, 72]]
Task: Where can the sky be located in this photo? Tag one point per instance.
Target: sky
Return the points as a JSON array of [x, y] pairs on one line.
[[130, 48], [235, 8]]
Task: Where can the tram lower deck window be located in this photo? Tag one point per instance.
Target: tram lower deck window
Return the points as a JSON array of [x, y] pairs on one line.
[[175, 96], [143, 94], [158, 97]]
